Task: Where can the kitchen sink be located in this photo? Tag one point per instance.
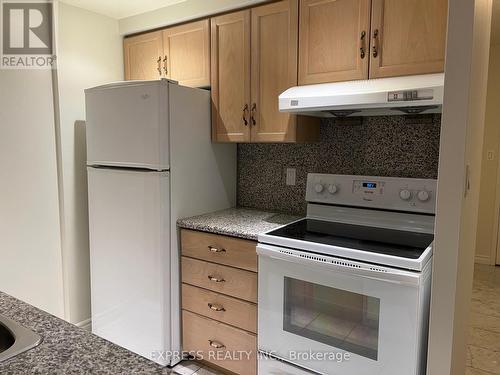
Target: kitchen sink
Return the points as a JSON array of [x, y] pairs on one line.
[[15, 339]]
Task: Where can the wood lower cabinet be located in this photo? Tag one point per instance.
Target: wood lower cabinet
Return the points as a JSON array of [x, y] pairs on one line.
[[408, 37], [143, 56], [218, 278], [219, 302], [187, 53], [218, 343], [334, 40], [254, 59], [217, 306], [229, 251]]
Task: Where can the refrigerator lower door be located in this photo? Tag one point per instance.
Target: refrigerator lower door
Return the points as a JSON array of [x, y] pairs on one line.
[[127, 125], [130, 262]]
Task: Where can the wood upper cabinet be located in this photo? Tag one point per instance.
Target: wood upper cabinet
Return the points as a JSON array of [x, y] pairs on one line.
[[187, 53], [142, 56], [254, 59], [230, 60], [408, 37], [181, 53], [274, 69], [333, 40]]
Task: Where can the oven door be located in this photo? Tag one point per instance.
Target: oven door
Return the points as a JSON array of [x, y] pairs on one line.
[[335, 316]]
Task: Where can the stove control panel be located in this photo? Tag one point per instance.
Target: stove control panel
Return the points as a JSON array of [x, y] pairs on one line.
[[391, 193]]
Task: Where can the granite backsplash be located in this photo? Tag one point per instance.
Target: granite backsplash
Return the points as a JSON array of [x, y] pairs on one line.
[[398, 146]]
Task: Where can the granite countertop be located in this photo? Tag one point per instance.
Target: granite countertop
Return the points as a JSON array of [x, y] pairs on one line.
[[67, 349], [237, 222]]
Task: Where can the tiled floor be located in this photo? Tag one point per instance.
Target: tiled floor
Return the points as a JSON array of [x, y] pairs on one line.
[[191, 367], [483, 351]]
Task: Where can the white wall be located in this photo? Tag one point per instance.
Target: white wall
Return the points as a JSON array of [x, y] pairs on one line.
[[488, 210], [184, 11], [30, 252], [89, 54]]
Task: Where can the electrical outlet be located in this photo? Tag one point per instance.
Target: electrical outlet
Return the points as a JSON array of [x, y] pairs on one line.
[[291, 175], [490, 155]]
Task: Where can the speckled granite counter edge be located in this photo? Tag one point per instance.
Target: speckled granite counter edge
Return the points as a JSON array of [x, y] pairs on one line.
[[216, 230], [237, 222]]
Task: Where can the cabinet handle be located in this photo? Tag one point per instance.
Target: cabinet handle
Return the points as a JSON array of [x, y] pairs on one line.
[[375, 43], [216, 307], [216, 345], [165, 65], [245, 114], [252, 115], [216, 279], [159, 65], [214, 249], [362, 48]]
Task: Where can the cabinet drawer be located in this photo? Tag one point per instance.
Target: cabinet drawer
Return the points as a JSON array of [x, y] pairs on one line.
[[220, 344], [219, 249], [227, 280], [217, 306]]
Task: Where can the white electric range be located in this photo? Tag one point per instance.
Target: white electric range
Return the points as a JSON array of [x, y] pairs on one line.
[[346, 290]]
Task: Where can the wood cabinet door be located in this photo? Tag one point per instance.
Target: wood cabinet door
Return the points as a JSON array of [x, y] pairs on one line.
[[187, 53], [142, 56], [230, 71], [274, 69], [408, 37], [333, 40]]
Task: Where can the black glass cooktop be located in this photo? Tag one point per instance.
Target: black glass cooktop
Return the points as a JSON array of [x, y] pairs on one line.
[[398, 243]]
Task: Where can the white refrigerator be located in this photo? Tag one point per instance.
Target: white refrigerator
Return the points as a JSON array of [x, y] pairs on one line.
[[150, 161]]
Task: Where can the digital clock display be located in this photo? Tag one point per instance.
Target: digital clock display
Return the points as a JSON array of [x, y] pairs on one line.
[[370, 185]]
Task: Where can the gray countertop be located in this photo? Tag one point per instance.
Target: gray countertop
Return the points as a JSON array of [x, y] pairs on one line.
[[67, 349], [237, 222]]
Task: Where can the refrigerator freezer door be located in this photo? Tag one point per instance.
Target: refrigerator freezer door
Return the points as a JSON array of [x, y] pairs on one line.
[[127, 125], [130, 262]]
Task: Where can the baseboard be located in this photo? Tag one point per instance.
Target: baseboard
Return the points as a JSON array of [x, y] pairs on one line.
[[85, 324], [482, 259]]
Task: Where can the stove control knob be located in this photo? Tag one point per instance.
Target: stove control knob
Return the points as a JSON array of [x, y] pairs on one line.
[[405, 194], [423, 196], [318, 188], [332, 189]]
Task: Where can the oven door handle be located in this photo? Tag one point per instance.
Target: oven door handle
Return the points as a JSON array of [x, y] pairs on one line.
[[354, 268]]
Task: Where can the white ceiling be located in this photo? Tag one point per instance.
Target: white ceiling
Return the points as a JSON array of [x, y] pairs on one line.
[[125, 8], [121, 8]]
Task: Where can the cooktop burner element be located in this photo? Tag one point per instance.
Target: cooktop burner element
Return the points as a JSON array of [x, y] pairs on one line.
[[392, 242]]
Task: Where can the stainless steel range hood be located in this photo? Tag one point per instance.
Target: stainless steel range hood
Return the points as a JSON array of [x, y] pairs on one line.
[[375, 97]]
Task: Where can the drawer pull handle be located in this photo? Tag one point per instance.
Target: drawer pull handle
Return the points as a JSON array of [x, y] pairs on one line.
[[216, 345], [214, 249], [216, 279], [216, 307]]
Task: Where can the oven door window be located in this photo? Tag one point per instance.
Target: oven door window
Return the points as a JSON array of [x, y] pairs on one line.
[[341, 319]]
